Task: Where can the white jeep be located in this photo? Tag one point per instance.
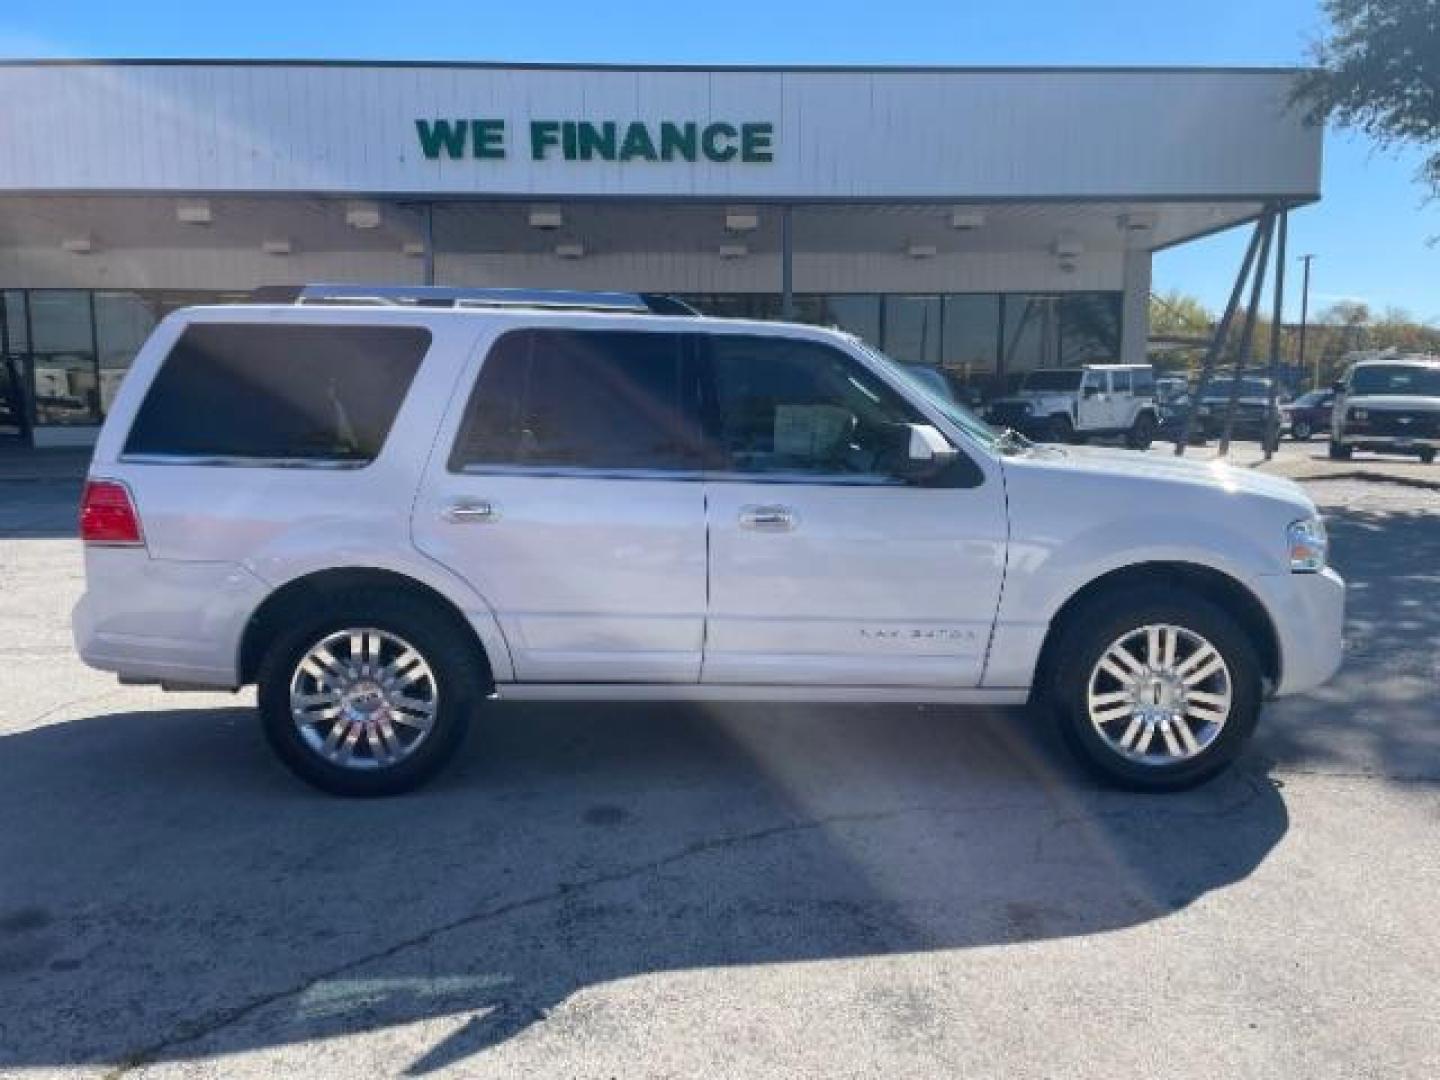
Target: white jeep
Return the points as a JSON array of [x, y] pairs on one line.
[[385, 507], [1067, 405]]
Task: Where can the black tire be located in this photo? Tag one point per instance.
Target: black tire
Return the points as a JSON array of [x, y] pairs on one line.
[[1427, 455], [1059, 429], [460, 675], [1301, 431], [1108, 617], [1141, 433], [1340, 452]]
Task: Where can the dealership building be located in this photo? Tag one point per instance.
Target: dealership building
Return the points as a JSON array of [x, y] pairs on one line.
[[984, 221]]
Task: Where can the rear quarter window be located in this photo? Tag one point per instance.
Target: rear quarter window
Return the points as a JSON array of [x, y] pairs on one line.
[[266, 392]]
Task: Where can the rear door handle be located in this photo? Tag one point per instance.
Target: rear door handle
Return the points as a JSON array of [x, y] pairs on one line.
[[463, 513], [768, 518]]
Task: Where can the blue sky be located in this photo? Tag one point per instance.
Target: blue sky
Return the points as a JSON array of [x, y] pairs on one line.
[[1369, 233]]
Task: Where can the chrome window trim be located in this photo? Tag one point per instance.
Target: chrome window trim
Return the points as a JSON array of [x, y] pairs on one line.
[[577, 472], [233, 461]]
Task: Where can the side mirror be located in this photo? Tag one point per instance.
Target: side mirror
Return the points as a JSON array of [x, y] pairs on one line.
[[928, 451]]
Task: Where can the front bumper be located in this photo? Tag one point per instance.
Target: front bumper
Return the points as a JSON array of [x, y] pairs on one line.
[[1308, 611], [1394, 444]]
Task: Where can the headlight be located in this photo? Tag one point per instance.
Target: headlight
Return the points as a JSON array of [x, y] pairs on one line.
[[1308, 546]]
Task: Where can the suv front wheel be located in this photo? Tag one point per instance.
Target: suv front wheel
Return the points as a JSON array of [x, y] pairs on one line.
[[1156, 689], [370, 694]]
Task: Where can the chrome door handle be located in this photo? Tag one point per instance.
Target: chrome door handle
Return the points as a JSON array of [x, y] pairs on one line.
[[464, 512], [768, 518]]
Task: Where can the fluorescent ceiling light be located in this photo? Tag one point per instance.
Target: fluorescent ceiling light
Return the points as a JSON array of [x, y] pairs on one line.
[[363, 215], [733, 251], [413, 248], [921, 251], [1067, 247], [194, 212], [1137, 220], [78, 245], [741, 219], [280, 245], [570, 251], [967, 220], [546, 217]]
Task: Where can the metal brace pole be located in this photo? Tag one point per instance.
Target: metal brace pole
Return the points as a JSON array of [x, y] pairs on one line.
[[1222, 331], [1272, 412], [428, 238], [1247, 332], [787, 264]]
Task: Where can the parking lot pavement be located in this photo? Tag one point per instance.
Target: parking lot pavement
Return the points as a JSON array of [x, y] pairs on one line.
[[742, 891]]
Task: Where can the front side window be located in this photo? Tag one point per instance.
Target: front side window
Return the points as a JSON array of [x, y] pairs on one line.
[[792, 406], [266, 392], [1120, 382], [1094, 381], [1052, 380], [604, 399]]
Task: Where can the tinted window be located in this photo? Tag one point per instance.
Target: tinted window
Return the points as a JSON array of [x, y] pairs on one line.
[[1120, 382], [585, 399], [798, 406], [1396, 379], [257, 391], [1143, 382]]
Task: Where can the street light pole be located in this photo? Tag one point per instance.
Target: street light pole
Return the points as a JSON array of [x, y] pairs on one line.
[[1304, 316]]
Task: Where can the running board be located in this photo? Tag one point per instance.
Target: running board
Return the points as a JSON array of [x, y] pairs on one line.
[[919, 695]]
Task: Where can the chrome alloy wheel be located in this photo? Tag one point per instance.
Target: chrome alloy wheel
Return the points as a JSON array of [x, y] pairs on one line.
[[1159, 694], [363, 698]]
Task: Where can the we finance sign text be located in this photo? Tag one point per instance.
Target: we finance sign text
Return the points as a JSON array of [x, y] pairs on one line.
[[600, 140]]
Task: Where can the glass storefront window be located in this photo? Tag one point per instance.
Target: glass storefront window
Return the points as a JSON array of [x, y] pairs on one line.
[[1090, 328], [855, 313], [123, 320], [911, 327], [62, 349], [970, 343]]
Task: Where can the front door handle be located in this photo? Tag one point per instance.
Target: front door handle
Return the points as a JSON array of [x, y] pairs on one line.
[[471, 511], [768, 518]]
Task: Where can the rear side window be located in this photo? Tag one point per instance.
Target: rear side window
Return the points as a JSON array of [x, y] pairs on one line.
[[605, 399], [303, 393], [1144, 382], [1120, 382]]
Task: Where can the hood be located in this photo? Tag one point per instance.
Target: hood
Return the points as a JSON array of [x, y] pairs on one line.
[[1106, 462]]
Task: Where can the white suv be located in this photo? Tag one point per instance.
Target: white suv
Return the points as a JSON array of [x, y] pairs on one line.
[[385, 513], [1066, 405]]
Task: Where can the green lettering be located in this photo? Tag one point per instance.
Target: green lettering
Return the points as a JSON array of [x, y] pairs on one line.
[[543, 135], [597, 141], [441, 135], [487, 139], [567, 139], [677, 139], [638, 143], [710, 142], [756, 142]]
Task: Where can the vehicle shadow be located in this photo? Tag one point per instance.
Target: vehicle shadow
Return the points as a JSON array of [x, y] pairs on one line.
[[1378, 716], [170, 894]]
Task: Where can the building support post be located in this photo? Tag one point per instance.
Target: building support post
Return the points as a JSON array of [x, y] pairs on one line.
[[1212, 352], [787, 264], [427, 237], [1247, 332], [1277, 324]]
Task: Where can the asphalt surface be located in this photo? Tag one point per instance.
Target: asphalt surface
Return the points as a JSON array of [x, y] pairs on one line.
[[747, 891]]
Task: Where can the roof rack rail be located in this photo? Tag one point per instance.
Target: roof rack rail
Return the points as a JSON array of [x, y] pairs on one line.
[[436, 296]]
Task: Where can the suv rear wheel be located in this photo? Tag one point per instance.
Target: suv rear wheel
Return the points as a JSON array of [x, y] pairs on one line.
[[369, 695], [1427, 454], [1339, 451], [1059, 429], [1156, 689]]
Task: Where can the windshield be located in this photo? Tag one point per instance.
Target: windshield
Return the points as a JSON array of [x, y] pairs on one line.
[[1053, 380], [1411, 379], [952, 410], [1251, 388]]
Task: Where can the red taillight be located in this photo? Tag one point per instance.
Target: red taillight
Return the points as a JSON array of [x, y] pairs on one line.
[[107, 516]]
